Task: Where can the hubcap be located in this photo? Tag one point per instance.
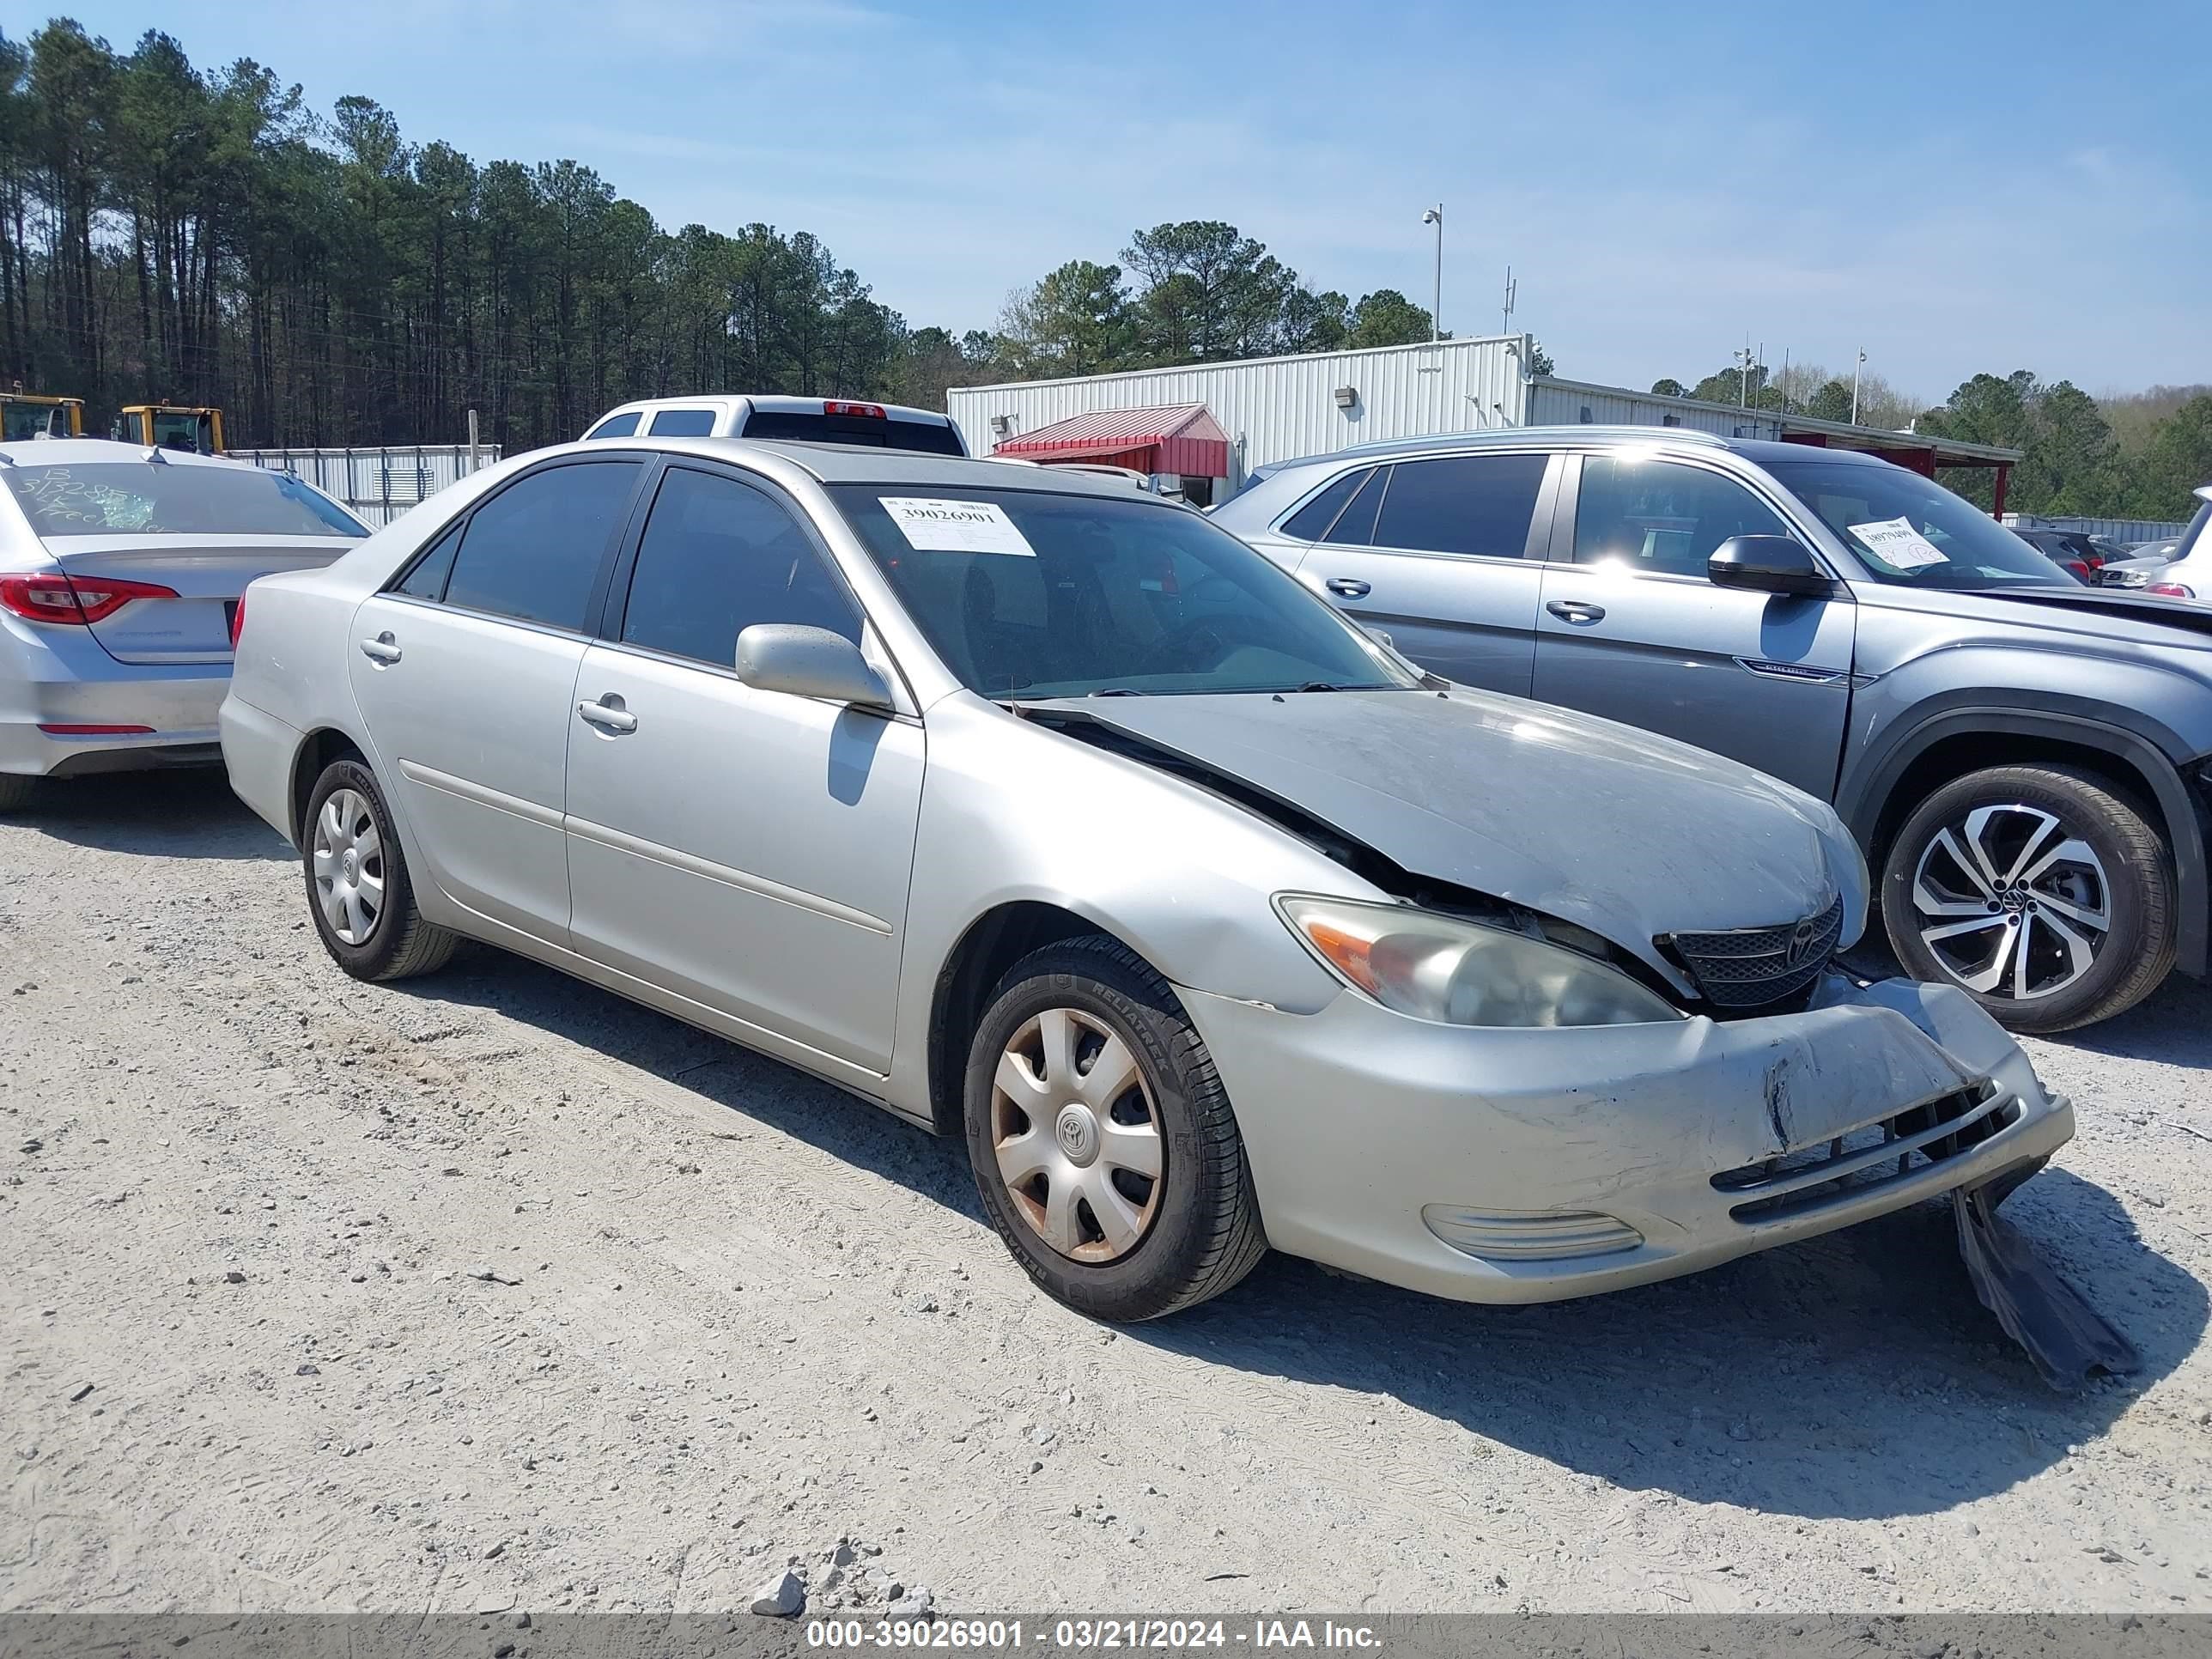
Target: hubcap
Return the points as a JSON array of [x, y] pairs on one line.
[[1077, 1135], [2011, 903], [348, 856]]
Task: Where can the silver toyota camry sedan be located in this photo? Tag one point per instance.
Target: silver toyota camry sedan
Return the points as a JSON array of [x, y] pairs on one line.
[[1046, 814]]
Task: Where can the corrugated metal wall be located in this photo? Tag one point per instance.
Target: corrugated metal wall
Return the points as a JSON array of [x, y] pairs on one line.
[[1275, 409], [377, 485], [1569, 403]]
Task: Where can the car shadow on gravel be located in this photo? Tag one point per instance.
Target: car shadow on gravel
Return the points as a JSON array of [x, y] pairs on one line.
[[2172, 1025], [748, 1084], [190, 812], [1852, 1375]]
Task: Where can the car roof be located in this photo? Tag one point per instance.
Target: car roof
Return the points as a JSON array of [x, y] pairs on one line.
[[63, 452], [865, 464], [1760, 450]]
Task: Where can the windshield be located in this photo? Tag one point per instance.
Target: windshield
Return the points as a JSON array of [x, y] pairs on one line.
[[1026, 594], [150, 498], [1911, 531]]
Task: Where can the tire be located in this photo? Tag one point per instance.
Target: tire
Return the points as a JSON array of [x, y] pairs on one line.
[[2118, 900], [1197, 1229], [16, 790], [343, 809]]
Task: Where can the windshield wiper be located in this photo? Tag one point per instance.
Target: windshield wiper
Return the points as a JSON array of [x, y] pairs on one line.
[[1114, 691], [1318, 685]]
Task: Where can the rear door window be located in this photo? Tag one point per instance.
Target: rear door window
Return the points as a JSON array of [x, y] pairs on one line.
[[1355, 526], [1311, 522], [719, 555], [684, 424], [533, 551], [1478, 504], [614, 426]]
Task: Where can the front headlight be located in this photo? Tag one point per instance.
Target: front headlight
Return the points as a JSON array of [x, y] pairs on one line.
[[1461, 973]]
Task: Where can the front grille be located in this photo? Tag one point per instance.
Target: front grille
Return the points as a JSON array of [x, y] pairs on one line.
[[1752, 967], [1874, 1155]]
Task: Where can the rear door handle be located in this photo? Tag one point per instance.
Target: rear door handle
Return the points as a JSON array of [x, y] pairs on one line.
[[382, 649], [1348, 587], [608, 715], [1575, 611]]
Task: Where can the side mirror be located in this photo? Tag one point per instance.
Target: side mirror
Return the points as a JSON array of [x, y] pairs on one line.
[[1770, 564], [809, 662]]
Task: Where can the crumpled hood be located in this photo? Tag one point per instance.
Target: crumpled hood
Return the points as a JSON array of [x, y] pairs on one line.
[[1631, 835]]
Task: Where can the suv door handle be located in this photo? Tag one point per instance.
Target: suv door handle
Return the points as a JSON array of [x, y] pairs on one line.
[[1575, 611], [382, 650], [1348, 587], [608, 715]]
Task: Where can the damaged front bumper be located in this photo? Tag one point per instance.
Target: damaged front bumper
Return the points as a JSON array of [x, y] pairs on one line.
[[1527, 1165]]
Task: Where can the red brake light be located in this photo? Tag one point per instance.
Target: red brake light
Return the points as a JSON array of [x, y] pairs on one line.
[[55, 598], [2171, 590], [865, 411], [237, 622], [2075, 568]]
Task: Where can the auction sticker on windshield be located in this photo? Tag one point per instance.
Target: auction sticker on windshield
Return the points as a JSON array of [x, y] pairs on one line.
[[942, 527], [1897, 544]]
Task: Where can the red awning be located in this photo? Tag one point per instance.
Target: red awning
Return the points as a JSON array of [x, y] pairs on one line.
[[1180, 438]]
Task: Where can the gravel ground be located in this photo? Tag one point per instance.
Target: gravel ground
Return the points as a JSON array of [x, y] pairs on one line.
[[492, 1291]]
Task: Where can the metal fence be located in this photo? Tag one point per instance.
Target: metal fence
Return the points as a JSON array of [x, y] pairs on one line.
[[2119, 530], [377, 485]]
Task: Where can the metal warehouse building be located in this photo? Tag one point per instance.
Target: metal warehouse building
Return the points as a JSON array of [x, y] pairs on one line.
[[1230, 418]]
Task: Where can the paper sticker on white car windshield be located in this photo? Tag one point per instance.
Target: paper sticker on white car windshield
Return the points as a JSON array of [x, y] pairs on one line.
[[955, 527], [1896, 543]]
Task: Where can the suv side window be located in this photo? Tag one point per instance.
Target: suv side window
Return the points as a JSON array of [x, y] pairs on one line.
[[1355, 526], [1661, 516], [1311, 522], [1463, 504], [614, 426], [717, 556], [532, 551]]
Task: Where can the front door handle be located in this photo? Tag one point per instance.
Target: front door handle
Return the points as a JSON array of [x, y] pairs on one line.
[[382, 650], [1575, 611], [1348, 587], [608, 715]]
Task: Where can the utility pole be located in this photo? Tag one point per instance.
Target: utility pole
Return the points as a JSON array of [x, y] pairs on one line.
[[1511, 289], [1785, 379], [1435, 216], [1855, 367], [1743, 357]]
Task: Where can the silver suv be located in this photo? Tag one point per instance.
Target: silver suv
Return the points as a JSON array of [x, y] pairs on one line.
[[2023, 759]]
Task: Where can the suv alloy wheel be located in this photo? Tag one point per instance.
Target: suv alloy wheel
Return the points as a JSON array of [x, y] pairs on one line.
[[2041, 890]]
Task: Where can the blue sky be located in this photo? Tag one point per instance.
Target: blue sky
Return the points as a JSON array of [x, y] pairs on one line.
[[1955, 186]]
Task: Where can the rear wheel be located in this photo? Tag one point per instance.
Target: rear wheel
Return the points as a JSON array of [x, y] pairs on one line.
[[2041, 890], [1102, 1138], [15, 791], [358, 889]]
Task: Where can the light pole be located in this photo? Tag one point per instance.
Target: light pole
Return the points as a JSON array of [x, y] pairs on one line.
[[1435, 216], [1855, 367]]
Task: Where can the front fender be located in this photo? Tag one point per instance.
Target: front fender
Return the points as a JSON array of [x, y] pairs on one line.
[[2132, 735]]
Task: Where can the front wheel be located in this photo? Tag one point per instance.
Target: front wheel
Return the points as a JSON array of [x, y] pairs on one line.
[[2041, 890], [1102, 1138], [358, 888]]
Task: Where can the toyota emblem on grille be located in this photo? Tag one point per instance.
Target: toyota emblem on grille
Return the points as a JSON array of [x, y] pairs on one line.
[[1801, 941]]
